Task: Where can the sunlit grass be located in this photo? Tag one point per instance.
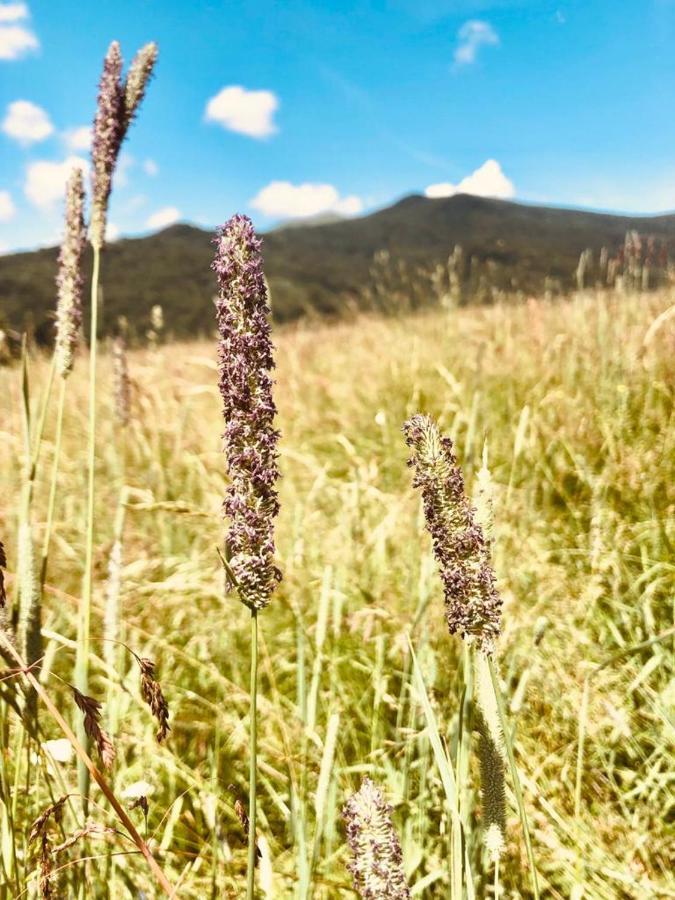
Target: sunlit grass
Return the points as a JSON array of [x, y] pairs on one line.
[[577, 413]]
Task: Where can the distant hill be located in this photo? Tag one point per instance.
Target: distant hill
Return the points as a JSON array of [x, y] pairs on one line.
[[325, 268]]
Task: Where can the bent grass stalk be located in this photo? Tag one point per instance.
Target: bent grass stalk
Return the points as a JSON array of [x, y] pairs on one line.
[[92, 769]]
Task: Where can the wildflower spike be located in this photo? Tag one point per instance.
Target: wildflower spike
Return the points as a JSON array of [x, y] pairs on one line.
[[473, 605], [106, 142], [377, 861], [69, 279], [245, 361], [137, 80]]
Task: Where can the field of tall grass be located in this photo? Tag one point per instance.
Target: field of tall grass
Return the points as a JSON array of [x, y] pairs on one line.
[[568, 405]]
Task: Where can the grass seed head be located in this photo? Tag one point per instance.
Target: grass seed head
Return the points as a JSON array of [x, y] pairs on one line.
[[245, 360], [92, 726], [152, 693], [109, 128], [377, 861], [473, 605], [69, 279], [137, 80]]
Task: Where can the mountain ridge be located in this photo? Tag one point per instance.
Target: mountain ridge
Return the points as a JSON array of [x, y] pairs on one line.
[[323, 268]]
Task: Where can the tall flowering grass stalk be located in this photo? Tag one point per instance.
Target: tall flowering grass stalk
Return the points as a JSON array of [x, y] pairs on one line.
[[473, 609], [377, 861], [245, 362], [118, 103], [69, 283], [472, 602]]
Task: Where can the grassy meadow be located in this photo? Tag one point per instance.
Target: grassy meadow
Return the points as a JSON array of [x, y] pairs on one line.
[[571, 405]]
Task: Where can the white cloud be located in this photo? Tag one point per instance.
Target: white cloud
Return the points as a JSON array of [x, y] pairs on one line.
[[150, 167], [46, 181], [125, 164], [296, 201], [13, 12], [26, 122], [7, 208], [112, 232], [488, 180], [167, 215], [473, 35], [15, 40], [78, 138], [247, 112]]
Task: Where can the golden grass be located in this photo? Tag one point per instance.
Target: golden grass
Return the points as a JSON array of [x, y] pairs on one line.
[[577, 412]]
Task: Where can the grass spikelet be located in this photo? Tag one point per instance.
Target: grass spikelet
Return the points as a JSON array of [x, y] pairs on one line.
[[91, 708], [473, 605], [140, 72], [39, 826], [491, 756], [377, 861], [151, 691], [69, 279], [29, 637]]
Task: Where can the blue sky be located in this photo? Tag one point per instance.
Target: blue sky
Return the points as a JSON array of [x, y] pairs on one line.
[[283, 109]]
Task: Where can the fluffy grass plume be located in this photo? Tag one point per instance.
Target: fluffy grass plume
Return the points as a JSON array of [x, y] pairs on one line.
[[69, 279]]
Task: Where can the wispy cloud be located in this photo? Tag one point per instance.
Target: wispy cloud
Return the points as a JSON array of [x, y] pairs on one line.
[[281, 199], [473, 35], [78, 138], [16, 40], [150, 167], [167, 215], [7, 208], [26, 122], [488, 180], [247, 112]]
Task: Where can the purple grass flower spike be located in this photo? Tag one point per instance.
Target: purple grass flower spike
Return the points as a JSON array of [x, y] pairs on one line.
[[137, 80], [245, 359], [107, 139], [118, 103], [377, 861], [473, 604], [69, 278]]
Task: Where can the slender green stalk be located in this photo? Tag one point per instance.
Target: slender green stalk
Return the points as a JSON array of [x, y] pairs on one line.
[[253, 762], [52, 488], [517, 790], [82, 661]]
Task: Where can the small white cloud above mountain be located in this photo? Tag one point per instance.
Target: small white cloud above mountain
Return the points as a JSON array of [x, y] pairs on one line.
[[167, 215], [488, 180], [281, 199]]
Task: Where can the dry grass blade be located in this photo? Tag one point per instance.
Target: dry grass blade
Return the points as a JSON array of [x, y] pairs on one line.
[[91, 708]]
